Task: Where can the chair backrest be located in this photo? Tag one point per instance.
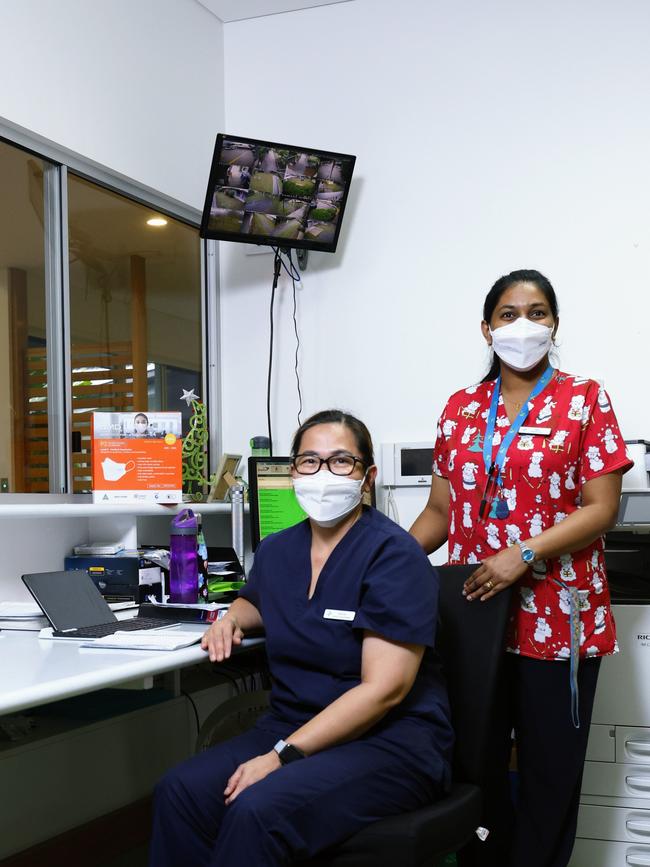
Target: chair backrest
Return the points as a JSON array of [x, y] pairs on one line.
[[471, 646]]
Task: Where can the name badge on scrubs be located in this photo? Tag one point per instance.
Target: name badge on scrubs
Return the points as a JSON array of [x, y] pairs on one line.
[[338, 614], [541, 431]]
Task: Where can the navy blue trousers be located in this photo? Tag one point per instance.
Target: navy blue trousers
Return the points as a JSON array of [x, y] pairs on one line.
[[294, 812], [538, 829]]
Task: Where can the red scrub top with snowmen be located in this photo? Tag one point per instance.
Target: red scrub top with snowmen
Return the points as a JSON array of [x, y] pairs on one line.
[[543, 475]]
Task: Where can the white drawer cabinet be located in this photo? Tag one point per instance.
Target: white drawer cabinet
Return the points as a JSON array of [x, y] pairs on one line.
[[633, 745], [614, 816], [612, 779], [595, 853], [614, 823], [601, 746]]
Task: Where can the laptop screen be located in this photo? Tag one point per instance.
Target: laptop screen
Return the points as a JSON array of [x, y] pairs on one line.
[[69, 600]]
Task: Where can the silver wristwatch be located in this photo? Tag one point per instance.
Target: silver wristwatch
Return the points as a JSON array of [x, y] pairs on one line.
[[527, 554]]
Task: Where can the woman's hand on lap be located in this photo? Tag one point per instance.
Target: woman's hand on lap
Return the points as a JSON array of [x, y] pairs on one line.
[[251, 772], [495, 574]]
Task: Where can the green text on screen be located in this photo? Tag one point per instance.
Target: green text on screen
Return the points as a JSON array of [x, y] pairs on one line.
[[278, 509]]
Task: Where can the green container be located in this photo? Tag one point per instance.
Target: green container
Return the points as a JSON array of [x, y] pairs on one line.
[[260, 447]]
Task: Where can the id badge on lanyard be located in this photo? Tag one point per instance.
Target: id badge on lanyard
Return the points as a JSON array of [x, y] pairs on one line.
[[493, 467]]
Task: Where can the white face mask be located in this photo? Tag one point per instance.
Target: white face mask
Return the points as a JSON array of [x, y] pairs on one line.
[[522, 344], [113, 471], [326, 497], [140, 426]]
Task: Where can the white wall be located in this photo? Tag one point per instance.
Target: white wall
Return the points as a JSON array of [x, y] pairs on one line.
[[136, 86], [489, 137]]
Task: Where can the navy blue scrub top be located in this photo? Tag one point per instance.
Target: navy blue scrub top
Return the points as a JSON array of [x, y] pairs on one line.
[[380, 578]]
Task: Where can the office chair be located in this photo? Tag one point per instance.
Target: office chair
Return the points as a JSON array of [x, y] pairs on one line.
[[470, 643]]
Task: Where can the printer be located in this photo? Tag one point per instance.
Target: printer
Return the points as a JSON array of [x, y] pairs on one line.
[[614, 816]]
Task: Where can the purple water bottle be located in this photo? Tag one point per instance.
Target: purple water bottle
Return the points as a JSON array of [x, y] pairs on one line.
[[183, 563]]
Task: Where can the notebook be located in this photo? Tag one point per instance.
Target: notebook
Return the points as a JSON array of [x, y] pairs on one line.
[[166, 639], [76, 608]]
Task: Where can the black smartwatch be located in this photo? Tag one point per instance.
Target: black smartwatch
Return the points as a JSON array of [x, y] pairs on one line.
[[287, 752]]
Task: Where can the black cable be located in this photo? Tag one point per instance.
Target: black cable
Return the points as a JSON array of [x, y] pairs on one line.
[[196, 713], [294, 273], [233, 680], [237, 676], [295, 328], [276, 274], [241, 673]]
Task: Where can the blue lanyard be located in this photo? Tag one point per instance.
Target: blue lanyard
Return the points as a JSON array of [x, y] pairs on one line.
[[574, 642], [493, 467]]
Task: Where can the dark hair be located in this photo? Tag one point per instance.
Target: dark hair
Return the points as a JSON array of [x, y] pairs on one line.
[[506, 282], [337, 416]]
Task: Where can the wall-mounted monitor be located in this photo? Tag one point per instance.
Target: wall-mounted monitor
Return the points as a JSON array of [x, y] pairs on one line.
[[263, 192]]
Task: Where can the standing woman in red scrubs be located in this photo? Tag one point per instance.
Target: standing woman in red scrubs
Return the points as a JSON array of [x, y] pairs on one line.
[[526, 480]]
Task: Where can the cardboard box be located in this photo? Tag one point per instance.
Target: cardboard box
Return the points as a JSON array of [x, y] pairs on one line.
[[127, 575], [137, 457]]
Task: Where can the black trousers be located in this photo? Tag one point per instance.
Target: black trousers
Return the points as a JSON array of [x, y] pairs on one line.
[[538, 829]]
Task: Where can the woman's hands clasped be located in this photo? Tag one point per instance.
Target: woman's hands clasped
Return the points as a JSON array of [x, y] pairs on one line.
[[220, 637], [251, 772], [495, 574]]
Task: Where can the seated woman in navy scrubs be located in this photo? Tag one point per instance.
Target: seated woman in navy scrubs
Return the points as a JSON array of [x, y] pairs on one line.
[[358, 726]]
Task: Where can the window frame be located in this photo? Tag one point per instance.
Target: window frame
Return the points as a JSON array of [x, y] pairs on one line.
[[59, 161]]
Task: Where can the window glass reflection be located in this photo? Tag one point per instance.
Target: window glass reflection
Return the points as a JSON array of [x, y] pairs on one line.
[[135, 310], [23, 349]]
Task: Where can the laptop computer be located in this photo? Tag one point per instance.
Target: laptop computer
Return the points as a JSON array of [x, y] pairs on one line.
[[76, 608]]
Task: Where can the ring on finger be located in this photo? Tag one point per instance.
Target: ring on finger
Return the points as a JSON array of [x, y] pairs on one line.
[[489, 585]]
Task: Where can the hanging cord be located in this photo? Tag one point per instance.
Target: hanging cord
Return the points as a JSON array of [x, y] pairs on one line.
[[295, 329], [194, 708], [233, 679], [276, 274], [292, 270], [391, 505]]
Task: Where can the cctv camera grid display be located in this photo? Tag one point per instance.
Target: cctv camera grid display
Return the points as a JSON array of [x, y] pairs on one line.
[[278, 192]]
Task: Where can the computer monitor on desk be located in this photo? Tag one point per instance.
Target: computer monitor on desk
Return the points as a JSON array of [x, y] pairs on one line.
[[273, 504]]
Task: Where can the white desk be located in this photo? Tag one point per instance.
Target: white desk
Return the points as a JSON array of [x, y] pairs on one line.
[[34, 671], [129, 753]]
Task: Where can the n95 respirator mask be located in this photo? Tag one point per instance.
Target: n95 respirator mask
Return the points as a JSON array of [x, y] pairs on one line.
[[326, 497], [522, 344]]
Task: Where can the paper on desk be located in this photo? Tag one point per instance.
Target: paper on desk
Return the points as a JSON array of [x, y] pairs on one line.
[[19, 610], [197, 606], [123, 606], [145, 639]]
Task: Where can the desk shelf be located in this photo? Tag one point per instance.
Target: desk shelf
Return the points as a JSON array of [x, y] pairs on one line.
[[38, 531], [61, 506]]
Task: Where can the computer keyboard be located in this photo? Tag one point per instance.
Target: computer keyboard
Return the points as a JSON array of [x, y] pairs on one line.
[[102, 629]]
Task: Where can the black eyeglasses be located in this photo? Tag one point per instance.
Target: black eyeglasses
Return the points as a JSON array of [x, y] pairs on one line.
[[340, 465]]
